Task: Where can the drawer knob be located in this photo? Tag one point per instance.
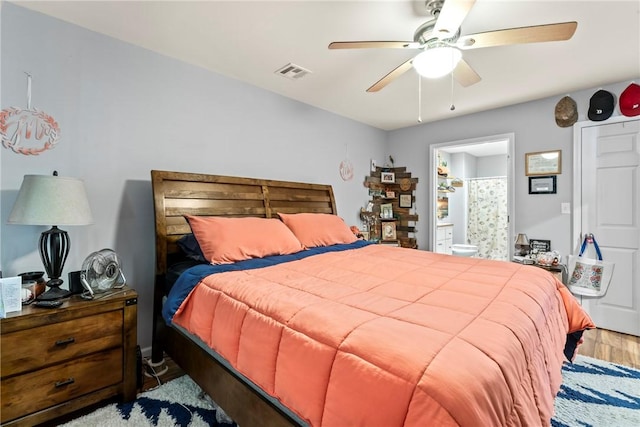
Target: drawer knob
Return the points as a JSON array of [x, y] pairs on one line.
[[66, 341], [64, 382]]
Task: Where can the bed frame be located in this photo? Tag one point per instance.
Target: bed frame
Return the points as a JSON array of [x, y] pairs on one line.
[[179, 193]]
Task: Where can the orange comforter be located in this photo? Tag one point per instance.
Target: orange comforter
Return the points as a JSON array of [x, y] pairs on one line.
[[382, 336]]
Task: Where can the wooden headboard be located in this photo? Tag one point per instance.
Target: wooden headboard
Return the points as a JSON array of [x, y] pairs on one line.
[[179, 193]]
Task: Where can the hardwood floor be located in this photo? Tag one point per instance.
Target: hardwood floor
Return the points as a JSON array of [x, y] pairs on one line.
[[157, 375], [598, 343], [611, 346]]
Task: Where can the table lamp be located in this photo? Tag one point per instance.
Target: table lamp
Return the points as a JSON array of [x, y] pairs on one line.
[[522, 245], [48, 200]]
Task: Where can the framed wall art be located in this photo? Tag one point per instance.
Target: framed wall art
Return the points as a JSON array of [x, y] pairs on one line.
[[542, 184], [386, 211], [405, 200], [387, 177], [543, 163], [389, 230]]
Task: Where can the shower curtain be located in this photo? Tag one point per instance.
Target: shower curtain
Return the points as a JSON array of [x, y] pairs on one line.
[[487, 226]]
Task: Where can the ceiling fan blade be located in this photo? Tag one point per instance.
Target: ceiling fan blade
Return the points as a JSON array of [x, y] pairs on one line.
[[391, 76], [374, 44], [451, 16], [534, 34], [465, 75]]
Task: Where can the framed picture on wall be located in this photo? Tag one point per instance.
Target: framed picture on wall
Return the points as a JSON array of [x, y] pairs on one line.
[[543, 163], [389, 230], [388, 177], [405, 200], [542, 184], [386, 211]]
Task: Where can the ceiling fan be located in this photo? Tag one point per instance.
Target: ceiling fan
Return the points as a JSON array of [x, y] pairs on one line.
[[441, 43]]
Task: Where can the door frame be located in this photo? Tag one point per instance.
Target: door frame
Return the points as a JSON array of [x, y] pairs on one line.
[[510, 137]]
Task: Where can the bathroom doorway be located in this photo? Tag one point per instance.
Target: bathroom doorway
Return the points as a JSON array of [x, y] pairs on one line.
[[471, 197]]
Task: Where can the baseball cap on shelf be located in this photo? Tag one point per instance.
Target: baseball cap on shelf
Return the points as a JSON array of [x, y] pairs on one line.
[[601, 106], [630, 101], [566, 112]]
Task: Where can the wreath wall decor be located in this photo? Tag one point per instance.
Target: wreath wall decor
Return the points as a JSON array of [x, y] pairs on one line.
[[28, 131]]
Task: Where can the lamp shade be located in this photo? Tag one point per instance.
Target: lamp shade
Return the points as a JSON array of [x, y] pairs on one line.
[[437, 61], [51, 200], [522, 240]]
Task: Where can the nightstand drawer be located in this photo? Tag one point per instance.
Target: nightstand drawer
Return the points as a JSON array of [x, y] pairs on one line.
[[34, 348], [41, 389]]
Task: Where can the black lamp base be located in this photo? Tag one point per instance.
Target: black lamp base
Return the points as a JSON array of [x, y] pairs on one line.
[[54, 248], [53, 294]]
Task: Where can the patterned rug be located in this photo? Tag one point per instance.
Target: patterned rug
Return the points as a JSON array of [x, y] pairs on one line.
[[594, 393]]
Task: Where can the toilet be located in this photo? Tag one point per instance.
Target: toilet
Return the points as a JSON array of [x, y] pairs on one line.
[[464, 250]]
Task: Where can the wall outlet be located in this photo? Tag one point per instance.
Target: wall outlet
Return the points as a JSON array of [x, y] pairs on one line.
[[565, 208], [373, 165]]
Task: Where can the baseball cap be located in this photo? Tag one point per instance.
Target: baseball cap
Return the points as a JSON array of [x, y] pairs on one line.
[[630, 101], [601, 106], [566, 112]]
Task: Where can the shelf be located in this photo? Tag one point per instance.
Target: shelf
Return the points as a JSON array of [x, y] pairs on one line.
[[402, 216]]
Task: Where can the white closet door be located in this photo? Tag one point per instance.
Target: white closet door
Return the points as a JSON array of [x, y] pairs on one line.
[[609, 191]]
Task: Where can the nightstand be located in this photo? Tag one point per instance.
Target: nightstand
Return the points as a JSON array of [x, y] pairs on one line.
[[559, 271], [56, 361], [556, 270]]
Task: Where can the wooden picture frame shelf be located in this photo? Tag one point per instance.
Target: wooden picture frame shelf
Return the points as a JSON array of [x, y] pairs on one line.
[[404, 217]]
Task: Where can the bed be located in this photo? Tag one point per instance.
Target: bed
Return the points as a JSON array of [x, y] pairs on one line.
[[352, 333]]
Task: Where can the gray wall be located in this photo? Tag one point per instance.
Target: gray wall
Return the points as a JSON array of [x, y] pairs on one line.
[[535, 129], [123, 111]]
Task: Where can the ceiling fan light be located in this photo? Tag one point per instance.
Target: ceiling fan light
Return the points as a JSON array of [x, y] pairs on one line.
[[437, 62]]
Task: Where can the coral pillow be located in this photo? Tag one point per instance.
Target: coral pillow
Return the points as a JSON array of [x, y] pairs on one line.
[[313, 229], [227, 240]]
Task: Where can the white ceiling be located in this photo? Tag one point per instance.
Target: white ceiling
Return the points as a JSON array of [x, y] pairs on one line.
[[250, 40]]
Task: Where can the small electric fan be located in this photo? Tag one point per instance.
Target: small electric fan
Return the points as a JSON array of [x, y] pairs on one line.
[[101, 272]]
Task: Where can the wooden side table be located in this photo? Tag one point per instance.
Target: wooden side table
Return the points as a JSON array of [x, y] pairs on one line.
[[556, 270], [56, 361]]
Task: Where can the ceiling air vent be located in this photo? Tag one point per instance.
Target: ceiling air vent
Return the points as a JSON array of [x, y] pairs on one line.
[[293, 71]]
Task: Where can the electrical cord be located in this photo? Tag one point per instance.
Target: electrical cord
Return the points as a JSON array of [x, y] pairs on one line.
[[150, 371]]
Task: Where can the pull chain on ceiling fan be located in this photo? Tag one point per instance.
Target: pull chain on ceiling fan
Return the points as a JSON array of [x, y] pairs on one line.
[[441, 38]]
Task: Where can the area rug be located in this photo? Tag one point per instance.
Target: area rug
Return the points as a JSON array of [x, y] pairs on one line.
[[596, 393], [593, 394]]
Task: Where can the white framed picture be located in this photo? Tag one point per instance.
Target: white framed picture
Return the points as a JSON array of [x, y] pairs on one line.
[[387, 177]]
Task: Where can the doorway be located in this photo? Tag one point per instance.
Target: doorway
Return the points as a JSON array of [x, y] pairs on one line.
[[456, 211]]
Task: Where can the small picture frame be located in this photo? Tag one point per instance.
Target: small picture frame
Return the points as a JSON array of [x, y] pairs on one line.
[[405, 200], [389, 231], [542, 184], [387, 177], [390, 194], [543, 163], [537, 246], [386, 211]]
